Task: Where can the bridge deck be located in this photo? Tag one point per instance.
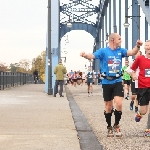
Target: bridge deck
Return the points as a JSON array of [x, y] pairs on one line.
[[32, 120], [93, 110]]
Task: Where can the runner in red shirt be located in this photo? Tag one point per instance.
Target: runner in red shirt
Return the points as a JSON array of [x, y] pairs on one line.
[[143, 95]]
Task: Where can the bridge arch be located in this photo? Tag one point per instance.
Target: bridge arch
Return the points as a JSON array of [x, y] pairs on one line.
[[78, 26]]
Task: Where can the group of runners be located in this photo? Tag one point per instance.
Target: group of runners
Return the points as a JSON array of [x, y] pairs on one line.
[[80, 78], [136, 74], [76, 78], [130, 83]]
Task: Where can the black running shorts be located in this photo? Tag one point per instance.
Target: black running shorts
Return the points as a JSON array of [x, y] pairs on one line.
[[143, 96], [111, 90], [127, 82]]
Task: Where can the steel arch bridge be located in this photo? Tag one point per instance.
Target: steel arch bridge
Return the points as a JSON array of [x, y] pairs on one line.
[[109, 17]]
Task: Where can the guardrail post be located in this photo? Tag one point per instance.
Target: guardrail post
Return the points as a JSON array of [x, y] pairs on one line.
[[21, 78], [1, 80]]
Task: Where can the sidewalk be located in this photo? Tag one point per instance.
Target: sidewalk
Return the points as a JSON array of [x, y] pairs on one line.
[[32, 120], [93, 110]]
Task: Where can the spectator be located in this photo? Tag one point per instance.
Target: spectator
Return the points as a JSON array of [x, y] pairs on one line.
[[59, 71], [35, 75]]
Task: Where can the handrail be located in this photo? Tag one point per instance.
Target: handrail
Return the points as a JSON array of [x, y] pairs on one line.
[[13, 79]]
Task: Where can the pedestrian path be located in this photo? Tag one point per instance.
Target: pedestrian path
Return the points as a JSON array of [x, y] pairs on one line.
[[32, 120], [93, 110]]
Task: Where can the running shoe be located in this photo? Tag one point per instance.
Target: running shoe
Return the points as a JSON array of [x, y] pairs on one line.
[[110, 132], [117, 131], [138, 117], [147, 133], [131, 105]]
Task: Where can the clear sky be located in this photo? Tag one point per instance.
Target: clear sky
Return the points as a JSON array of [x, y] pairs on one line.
[[23, 25]]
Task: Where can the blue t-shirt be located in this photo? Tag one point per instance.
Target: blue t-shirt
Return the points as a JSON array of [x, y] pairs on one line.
[[71, 73], [110, 62]]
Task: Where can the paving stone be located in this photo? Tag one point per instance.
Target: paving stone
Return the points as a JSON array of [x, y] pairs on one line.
[[93, 110]]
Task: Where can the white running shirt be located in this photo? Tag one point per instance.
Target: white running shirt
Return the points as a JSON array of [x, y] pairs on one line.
[[129, 70]]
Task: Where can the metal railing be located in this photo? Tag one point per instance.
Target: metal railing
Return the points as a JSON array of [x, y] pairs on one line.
[[13, 79]]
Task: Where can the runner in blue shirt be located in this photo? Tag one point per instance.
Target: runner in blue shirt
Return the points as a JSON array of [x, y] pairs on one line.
[[111, 64]]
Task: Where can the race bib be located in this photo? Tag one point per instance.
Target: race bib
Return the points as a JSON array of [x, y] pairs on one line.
[[147, 72], [113, 64], [90, 76]]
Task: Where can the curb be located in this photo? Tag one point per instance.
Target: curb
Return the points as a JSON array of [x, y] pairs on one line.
[[87, 139]]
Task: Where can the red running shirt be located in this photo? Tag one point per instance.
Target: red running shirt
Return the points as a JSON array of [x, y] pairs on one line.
[[144, 75]]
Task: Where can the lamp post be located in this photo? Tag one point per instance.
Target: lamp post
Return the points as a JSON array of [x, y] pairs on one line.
[[126, 24], [50, 89]]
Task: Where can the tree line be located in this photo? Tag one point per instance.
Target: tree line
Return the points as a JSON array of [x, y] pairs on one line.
[[27, 66]]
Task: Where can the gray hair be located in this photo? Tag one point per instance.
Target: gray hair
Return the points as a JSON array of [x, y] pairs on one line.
[[60, 60]]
